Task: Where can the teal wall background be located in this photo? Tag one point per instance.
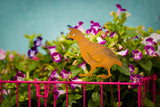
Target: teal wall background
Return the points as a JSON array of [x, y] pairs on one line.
[[50, 17]]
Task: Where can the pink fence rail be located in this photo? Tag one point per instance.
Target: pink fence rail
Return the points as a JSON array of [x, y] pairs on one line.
[[143, 86]]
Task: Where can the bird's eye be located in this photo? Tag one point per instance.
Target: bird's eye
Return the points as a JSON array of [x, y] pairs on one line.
[[73, 34]]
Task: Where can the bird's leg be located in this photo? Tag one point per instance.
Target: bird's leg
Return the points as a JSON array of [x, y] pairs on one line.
[[89, 74], [103, 76]]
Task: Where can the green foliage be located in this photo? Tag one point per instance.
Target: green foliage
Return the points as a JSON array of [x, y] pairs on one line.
[[130, 38]]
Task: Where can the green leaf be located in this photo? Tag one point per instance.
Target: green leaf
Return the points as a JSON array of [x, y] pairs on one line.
[[21, 66], [146, 65], [89, 87], [150, 30], [77, 96], [96, 97], [130, 32], [6, 103], [117, 104], [158, 31], [124, 70], [148, 103], [91, 103], [123, 78], [31, 65], [75, 70]]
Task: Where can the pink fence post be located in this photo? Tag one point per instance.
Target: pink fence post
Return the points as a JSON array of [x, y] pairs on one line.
[[139, 94], [154, 77], [38, 93], [145, 88], [17, 93], [54, 96], [45, 92], [101, 94], [83, 94], [1, 91], [66, 94], [29, 93], [119, 94]]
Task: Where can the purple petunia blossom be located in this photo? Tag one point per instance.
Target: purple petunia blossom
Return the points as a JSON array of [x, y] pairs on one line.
[[91, 31], [131, 68], [2, 54], [101, 41], [137, 55], [150, 41], [80, 27], [95, 28], [135, 78], [56, 57], [51, 49], [38, 42], [65, 74], [149, 50], [112, 34], [95, 25], [120, 9], [73, 86], [54, 75], [57, 92], [123, 53], [19, 76], [32, 52], [83, 65]]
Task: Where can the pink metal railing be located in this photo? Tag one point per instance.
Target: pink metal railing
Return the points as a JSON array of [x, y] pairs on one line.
[[144, 82]]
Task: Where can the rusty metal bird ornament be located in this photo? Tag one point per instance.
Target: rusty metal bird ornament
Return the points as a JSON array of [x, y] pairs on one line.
[[96, 55]]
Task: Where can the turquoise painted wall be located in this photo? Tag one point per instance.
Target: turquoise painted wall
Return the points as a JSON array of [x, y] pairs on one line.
[[50, 17]]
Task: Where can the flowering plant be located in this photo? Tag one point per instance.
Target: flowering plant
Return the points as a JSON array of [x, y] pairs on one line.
[[139, 51]]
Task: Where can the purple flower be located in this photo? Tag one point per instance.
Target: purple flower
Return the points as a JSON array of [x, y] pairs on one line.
[[149, 49], [91, 31], [38, 42], [83, 65], [95, 28], [101, 41], [95, 25], [2, 54], [80, 27], [32, 52], [135, 78], [73, 86], [54, 76], [112, 34], [137, 55], [123, 53], [51, 49], [57, 92], [56, 57], [65, 74], [19, 76], [120, 9], [150, 41], [131, 68]]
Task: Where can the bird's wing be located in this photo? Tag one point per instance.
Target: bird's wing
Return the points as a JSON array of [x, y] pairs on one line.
[[98, 52]]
